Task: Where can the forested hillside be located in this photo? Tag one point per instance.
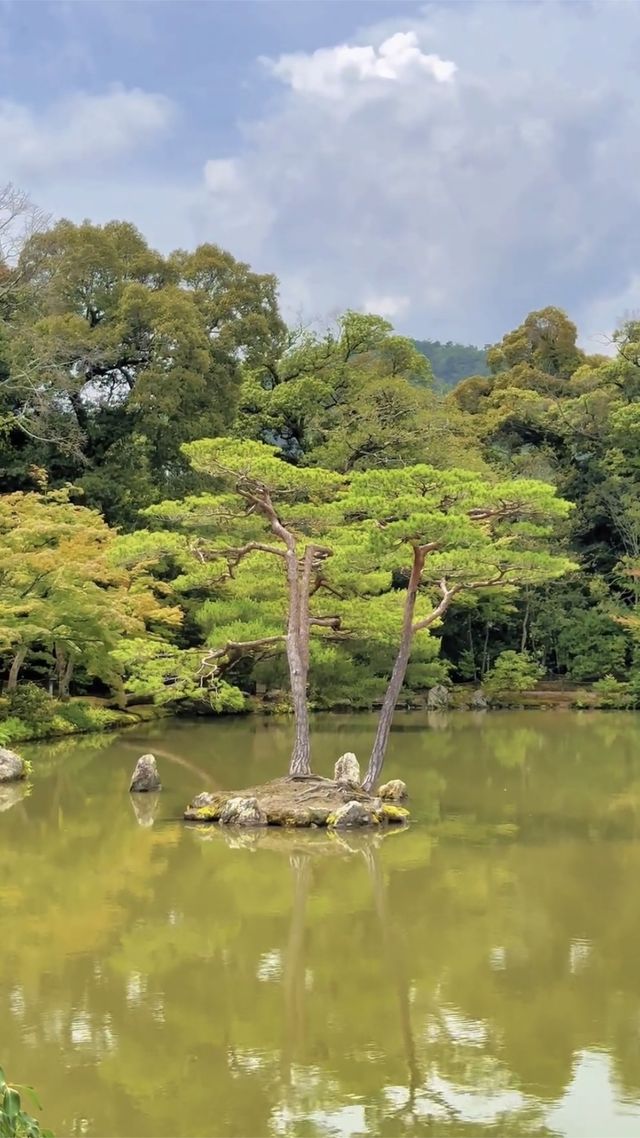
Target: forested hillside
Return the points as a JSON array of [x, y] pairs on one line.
[[115, 361], [453, 362]]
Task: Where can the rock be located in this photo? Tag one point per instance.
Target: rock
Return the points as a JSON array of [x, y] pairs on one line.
[[12, 767], [243, 812], [351, 814], [145, 776], [347, 769], [438, 698], [478, 701], [393, 814], [202, 799], [393, 791]]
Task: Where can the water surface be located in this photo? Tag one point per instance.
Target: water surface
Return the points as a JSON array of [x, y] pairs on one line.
[[476, 974]]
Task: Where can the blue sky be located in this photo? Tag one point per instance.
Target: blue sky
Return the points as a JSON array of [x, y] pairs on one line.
[[451, 166]]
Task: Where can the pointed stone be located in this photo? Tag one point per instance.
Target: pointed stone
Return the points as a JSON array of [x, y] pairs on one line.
[[438, 698], [347, 769], [145, 776]]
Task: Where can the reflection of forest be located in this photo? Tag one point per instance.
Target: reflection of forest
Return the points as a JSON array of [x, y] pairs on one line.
[[158, 980]]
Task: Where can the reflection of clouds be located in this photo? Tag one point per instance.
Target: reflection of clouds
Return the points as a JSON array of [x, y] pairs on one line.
[[399, 1099], [498, 958], [579, 953], [593, 1098], [242, 1061], [476, 1104], [270, 966], [17, 1002], [136, 988], [96, 1032], [346, 1121], [462, 1030]]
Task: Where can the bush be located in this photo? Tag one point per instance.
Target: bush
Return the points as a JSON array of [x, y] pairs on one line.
[[14, 1120], [85, 717], [32, 704], [613, 693], [513, 672], [13, 730]]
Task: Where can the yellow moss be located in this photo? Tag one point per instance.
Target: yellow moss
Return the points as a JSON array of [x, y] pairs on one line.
[[391, 813], [204, 814]]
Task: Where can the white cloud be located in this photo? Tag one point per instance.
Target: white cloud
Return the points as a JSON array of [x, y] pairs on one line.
[[84, 128], [329, 71], [477, 200], [222, 175], [388, 306]]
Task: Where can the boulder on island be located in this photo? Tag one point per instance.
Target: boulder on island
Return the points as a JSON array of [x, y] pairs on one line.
[[347, 769], [438, 698], [12, 767], [203, 799], [393, 791], [145, 776], [352, 814], [243, 812]]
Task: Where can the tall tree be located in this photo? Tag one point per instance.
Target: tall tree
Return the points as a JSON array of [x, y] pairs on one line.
[[461, 534], [134, 353], [356, 396], [267, 507], [348, 538]]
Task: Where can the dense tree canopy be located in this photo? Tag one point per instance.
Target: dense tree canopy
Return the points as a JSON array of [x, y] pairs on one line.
[[117, 355], [116, 362]]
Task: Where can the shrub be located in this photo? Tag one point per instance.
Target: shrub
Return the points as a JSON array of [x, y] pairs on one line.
[[86, 717], [513, 672], [14, 1120], [13, 730], [32, 704], [613, 693]]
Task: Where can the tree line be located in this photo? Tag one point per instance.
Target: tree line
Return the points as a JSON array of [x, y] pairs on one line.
[[158, 419]]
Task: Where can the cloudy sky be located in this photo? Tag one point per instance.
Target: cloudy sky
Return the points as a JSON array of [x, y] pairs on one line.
[[449, 165]]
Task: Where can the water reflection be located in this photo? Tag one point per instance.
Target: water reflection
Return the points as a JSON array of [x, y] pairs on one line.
[[12, 794], [145, 807], [473, 975]]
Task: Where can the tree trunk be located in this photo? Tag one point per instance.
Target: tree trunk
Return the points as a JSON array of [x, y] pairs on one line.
[[485, 651], [64, 672], [16, 664], [298, 660], [525, 627], [397, 676]]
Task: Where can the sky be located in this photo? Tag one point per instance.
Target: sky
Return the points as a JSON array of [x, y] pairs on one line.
[[450, 166]]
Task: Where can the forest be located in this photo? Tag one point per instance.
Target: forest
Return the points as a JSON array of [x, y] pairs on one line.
[[154, 408]]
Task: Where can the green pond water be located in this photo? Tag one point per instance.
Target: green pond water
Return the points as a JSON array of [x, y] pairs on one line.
[[475, 974]]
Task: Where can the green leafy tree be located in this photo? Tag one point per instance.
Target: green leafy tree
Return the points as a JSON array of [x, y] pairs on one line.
[[267, 507], [513, 672], [62, 592], [133, 353], [460, 534], [356, 396]]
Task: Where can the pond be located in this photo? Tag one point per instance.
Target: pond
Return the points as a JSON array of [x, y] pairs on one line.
[[475, 974]]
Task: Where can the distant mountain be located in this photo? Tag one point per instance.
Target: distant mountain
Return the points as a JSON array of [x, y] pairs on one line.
[[453, 362]]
